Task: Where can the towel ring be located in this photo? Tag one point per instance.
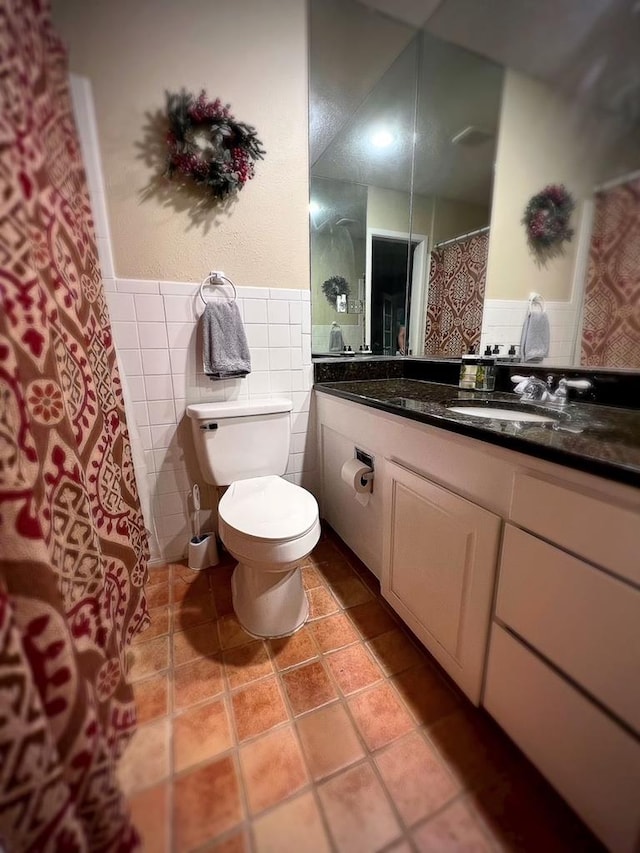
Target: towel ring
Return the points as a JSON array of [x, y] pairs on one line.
[[215, 278], [536, 299]]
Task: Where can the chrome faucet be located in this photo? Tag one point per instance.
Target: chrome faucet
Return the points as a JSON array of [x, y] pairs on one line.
[[532, 388]]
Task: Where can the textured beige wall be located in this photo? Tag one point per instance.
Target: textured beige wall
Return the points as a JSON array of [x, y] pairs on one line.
[[453, 218], [251, 53], [543, 139]]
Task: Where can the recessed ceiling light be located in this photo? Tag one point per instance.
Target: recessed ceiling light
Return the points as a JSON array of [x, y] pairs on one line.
[[314, 207], [382, 138]]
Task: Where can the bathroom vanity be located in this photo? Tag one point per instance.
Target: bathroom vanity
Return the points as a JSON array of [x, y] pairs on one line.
[[513, 553]]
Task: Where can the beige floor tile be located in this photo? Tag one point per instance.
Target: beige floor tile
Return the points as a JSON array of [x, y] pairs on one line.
[[371, 619], [197, 681], [380, 716], [150, 815], [148, 658], [350, 591], [152, 697], [329, 741], [272, 769], [311, 578], [321, 603], [158, 595], [195, 642], [193, 611], [207, 803], [359, 815], [201, 733], [247, 663], [258, 708], [237, 842], [145, 761], [395, 652], [353, 668], [308, 687], [292, 827], [452, 831], [426, 694], [232, 633], [334, 632], [415, 777], [293, 650]]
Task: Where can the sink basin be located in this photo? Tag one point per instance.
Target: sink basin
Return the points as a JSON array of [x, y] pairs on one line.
[[499, 411]]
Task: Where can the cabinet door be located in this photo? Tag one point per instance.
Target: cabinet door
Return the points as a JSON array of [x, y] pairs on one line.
[[440, 554]]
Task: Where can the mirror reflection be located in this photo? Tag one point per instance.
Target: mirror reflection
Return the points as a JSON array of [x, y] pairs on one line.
[[424, 157]]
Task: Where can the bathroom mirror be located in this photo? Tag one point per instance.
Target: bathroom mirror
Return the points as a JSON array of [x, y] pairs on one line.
[[424, 155]]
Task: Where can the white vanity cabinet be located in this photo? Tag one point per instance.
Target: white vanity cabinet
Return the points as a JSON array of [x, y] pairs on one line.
[[439, 564], [453, 522]]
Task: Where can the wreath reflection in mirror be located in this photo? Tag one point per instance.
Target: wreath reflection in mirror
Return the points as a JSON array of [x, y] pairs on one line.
[[207, 145], [546, 218], [336, 290]]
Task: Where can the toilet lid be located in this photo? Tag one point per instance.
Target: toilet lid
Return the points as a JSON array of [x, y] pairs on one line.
[[268, 508]]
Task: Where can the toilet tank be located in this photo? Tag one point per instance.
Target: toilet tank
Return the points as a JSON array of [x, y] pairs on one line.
[[241, 439]]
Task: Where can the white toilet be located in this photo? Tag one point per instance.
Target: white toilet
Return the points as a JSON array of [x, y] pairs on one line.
[[266, 523]]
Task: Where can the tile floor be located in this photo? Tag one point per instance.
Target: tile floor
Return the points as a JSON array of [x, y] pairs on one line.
[[345, 737]]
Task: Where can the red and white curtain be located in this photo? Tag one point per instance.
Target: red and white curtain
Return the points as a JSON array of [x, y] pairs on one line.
[[611, 321], [73, 548], [455, 301]]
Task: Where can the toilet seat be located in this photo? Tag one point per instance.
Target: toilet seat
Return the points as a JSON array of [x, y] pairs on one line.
[[268, 521], [268, 508]]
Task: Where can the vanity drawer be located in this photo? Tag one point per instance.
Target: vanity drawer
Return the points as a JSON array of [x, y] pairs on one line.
[[580, 618], [591, 524], [593, 762]]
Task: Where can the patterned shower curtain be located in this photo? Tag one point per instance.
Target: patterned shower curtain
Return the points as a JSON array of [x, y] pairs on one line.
[[455, 301], [73, 548], [611, 322]]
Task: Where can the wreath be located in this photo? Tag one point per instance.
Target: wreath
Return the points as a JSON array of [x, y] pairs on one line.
[[546, 217], [334, 287], [208, 145]]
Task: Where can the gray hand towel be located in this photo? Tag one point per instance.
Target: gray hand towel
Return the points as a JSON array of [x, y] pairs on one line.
[[225, 352], [534, 343], [336, 341]]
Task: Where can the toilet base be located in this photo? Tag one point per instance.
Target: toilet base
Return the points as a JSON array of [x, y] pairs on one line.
[[268, 603]]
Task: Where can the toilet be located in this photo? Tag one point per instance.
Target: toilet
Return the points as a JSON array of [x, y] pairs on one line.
[[266, 523]]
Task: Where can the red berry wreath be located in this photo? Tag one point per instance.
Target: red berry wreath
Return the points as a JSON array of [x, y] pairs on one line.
[[207, 145], [546, 217]]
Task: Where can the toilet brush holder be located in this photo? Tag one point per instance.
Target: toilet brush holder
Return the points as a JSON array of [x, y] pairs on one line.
[[203, 551]]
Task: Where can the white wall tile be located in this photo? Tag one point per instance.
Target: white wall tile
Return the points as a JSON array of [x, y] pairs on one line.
[[279, 359], [306, 319], [296, 357], [126, 335], [295, 313], [179, 358], [109, 284], [259, 358], [131, 361], [283, 293], [173, 503], [137, 389], [153, 335], [281, 381], [104, 254], [155, 362], [255, 310], [145, 437], [278, 335], [180, 308], [305, 295], [278, 311], [259, 383], [306, 349], [149, 309], [161, 412], [162, 435], [130, 285], [181, 334], [257, 335], [121, 307], [253, 293], [159, 387], [141, 414], [295, 336], [301, 401], [299, 421]]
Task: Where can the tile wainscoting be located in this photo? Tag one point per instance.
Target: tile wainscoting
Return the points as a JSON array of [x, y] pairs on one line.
[[155, 326]]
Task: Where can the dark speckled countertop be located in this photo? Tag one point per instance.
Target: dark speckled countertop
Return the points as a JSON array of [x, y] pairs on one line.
[[601, 440]]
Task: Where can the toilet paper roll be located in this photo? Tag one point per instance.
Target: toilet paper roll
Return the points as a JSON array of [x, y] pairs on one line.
[[357, 475]]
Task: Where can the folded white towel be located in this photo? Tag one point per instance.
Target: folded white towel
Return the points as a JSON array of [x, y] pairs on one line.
[[225, 352], [534, 343]]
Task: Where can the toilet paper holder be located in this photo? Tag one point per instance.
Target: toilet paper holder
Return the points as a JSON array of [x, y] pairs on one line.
[[366, 459]]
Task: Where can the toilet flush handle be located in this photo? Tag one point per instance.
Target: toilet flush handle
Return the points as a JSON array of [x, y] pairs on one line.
[[208, 426]]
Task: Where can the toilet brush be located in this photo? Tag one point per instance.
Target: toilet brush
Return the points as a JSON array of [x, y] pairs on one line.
[[203, 548]]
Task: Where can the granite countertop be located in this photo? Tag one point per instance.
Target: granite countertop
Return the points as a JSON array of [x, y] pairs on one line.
[[601, 440]]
